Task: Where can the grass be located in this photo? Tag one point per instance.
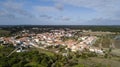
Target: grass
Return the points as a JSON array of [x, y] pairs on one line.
[[34, 64], [49, 53], [1, 47], [4, 32], [99, 62], [116, 52]]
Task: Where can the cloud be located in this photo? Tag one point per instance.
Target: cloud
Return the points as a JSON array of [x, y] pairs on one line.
[[65, 18], [6, 14], [10, 16], [45, 16], [2, 12], [21, 21], [107, 8], [45, 9], [103, 21], [15, 8], [59, 6]]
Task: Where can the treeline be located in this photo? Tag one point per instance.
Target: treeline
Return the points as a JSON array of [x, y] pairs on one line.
[[47, 28], [111, 28]]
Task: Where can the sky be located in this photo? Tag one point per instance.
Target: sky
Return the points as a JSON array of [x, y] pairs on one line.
[[59, 12]]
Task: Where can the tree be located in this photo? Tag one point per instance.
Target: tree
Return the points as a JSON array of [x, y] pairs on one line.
[[44, 62]]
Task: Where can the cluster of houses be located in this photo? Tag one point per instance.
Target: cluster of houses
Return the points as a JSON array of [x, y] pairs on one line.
[[53, 38]]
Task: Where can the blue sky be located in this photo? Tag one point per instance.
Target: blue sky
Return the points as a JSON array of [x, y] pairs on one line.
[[60, 12]]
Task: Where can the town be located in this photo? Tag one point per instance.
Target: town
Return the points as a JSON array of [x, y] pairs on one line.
[[53, 38]]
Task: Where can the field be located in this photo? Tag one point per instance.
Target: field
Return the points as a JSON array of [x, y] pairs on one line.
[[4, 32]]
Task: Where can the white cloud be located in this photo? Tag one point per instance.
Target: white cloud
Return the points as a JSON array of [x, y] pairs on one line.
[[59, 6], [106, 7], [45, 16], [45, 9], [103, 21], [11, 7]]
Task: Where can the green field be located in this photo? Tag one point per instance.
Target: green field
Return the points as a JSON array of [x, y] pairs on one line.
[[4, 32]]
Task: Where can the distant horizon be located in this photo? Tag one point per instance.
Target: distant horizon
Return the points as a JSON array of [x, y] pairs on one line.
[[56, 25]]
